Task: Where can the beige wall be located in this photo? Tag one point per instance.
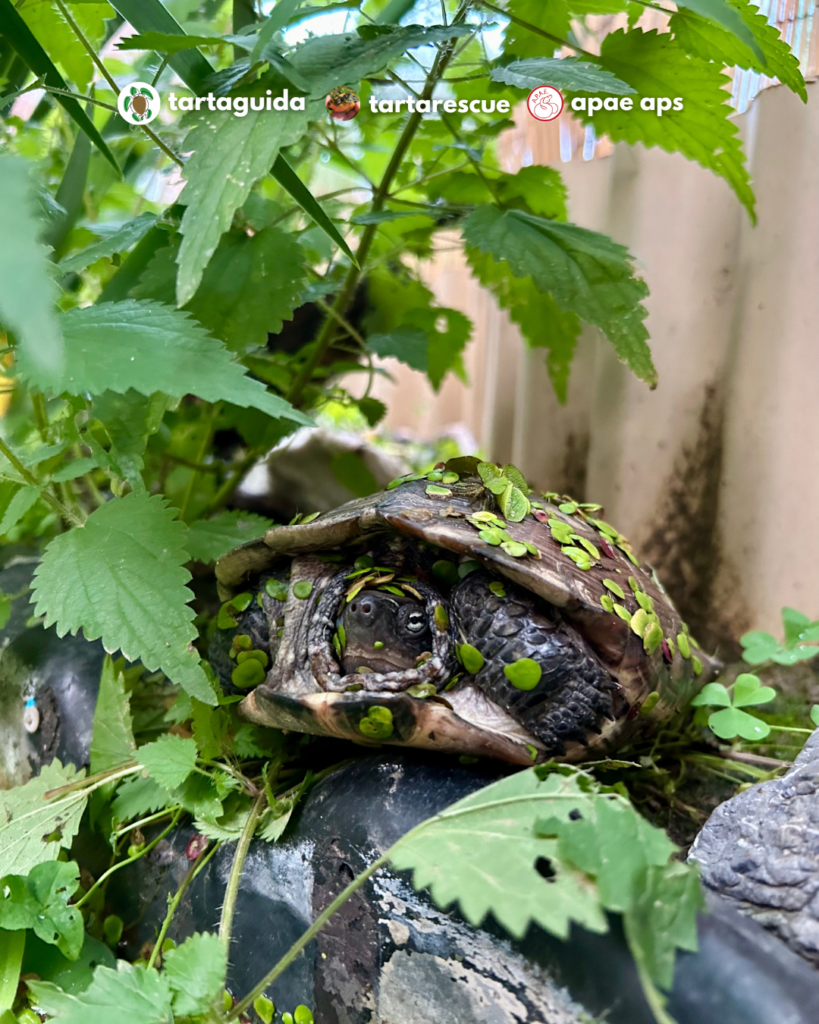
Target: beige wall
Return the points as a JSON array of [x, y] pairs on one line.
[[715, 474]]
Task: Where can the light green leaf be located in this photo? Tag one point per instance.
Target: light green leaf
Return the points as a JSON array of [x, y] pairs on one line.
[[656, 65], [209, 539], [22, 499], [725, 14], [272, 826], [27, 293], [58, 40], [112, 742], [137, 797], [407, 344], [118, 241], [40, 901], [814, 714], [277, 19], [166, 42], [541, 321], [32, 830], [121, 577], [169, 760], [561, 72], [196, 973], [498, 874], [712, 695], [230, 154], [128, 995], [74, 469], [586, 273], [731, 722], [749, 690], [129, 419], [149, 347], [331, 60]]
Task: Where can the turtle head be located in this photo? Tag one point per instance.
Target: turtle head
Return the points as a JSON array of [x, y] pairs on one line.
[[383, 633]]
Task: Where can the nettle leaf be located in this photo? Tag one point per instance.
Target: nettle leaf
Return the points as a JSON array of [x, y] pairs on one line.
[[586, 273], [121, 577], [128, 995], [554, 16], [656, 65], [196, 973], [121, 240], [209, 539], [230, 154], [430, 340], [407, 344], [704, 38], [58, 40], [32, 830], [39, 901], [27, 292], [343, 59], [15, 501], [561, 72], [129, 420], [112, 741], [169, 760], [149, 347], [537, 189], [137, 797], [164, 42], [542, 322]]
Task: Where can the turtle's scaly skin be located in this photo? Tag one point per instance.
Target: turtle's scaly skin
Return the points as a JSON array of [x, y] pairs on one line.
[[563, 590]]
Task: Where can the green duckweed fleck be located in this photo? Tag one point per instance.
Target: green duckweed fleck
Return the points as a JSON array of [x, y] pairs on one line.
[[615, 588], [249, 673], [683, 645], [303, 589], [649, 703], [607, 603], [471, 658], [276, 589], [652, 638], [497, 588], [441, 618], [523, 674]]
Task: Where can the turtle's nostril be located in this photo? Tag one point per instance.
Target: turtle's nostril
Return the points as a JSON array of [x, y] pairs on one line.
[[367, 608]]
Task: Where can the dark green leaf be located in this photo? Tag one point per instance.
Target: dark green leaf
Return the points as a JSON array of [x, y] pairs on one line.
[[725, 14], [118, 241], [196, 973], [352, 472], [561, 72], [164, 42], [407, 344], [39, 901], [169, 760], [128, 995], [209, 539], [112, 742]]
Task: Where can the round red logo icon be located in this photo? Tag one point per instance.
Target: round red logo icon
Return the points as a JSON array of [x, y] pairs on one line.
[[545, 103]]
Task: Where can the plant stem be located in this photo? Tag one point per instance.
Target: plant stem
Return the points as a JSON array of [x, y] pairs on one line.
[[77, 96], [342, 321], [40, 414], [95, 781], [195, 868], [239, 857], [308, 936], [754, 759], [145, 821], [66, 513], [347, 293], [129, 860]]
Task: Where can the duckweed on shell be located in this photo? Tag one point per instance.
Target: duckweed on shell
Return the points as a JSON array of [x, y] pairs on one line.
[[615, 588], [471, 658], [276, 590], [652, 638], [607, 603], [639, 621], [683, 646], [523, 674], [249, 673], [441, 617], [442, 492], [624, 613], [303, 589], [649, 703], [497, 588]]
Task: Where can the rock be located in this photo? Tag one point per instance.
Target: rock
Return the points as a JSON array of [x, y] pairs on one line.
[[315, 470], [392, 957], [761, 850]]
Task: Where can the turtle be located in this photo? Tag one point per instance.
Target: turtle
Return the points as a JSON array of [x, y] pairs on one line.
[[457, 611]]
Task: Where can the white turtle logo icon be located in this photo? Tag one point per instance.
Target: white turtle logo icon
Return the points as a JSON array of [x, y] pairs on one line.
[[545, 103]]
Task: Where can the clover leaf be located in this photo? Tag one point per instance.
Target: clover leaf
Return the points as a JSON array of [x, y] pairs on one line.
[[731, 721], [800, 633]]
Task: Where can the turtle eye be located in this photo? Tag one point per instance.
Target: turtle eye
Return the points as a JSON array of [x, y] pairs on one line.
[[416, 622]]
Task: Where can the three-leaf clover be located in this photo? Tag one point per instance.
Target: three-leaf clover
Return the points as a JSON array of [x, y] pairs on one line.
[[730, 721], [800, 634]]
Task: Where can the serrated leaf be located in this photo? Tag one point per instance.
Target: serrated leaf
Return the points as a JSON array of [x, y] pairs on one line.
[[407, 344], [27, 292], [128, 995], [709, 41], [58, 40], [120, 577], [230, 154], [149, 347], [129, 419], [166, 42], [561, 72], [536, 189], [21, 500], [344, 59], [169, 760], [209, 539], [498, 875], [118, 241], [586, 273], [112, 741], [137, 797], [656, 65], [32, 830], [196, 973], [39, 901]]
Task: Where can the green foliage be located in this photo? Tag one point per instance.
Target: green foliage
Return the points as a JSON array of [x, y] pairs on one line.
[[209, 539], [39, 901], [561, 72], [128, 995], [129, 557], [169, 760], [196, 974], [731, 722], [801, 636], [112, 742]]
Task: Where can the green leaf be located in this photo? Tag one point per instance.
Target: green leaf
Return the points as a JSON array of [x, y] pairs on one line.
[[32, 830], [731, 722], [498, 875], [352, 472], [128, 995], [196, 973], [209, 539], [712, 695], [58, 39], [536, 189], [112, 742], [38, 61], [407, 344], [166, 42], [656, 65], [169, 760], [749, 690], [39, 901], [513, 503], [12, 947], [586, 273], [27, 293], [561, 72], [814, 714], [726, 14], [129, 419], [794, 623], [344, 59], [117, 241], [149, 347], [229, 154], [137, 797], [21, 500], [278, 18], [121, 577], [523, 674], [706, 39]]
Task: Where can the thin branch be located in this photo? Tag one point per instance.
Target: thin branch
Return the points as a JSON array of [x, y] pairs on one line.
[[55, 503]]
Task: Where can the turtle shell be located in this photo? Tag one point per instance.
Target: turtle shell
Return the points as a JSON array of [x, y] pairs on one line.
[[550, 546]]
